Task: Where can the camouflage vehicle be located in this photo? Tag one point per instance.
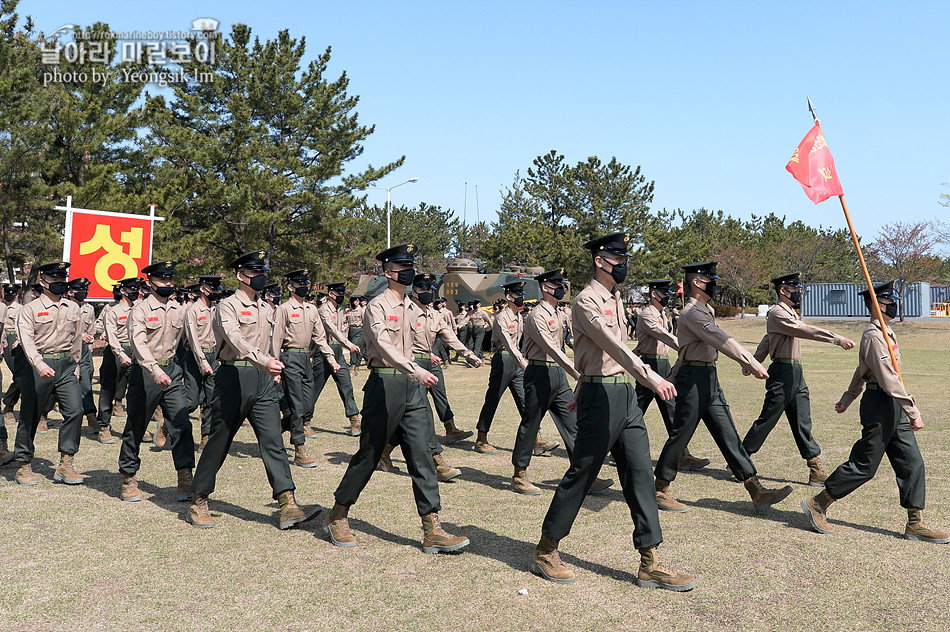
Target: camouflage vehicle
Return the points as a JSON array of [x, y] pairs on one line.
[[466, 280]]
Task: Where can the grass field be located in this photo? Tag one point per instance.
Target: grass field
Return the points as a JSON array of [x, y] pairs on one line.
[[76, 558]]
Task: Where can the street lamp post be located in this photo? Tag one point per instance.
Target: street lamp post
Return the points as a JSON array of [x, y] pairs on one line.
[[389, 206]]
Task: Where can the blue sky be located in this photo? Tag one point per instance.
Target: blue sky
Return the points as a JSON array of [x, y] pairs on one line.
[[708, 98]]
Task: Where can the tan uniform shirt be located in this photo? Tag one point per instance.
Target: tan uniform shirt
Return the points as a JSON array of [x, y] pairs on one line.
[[874, 366], [296, 325], [47, 326], [9, 318], [154, 331], [88, 313], [242, 331], [199, 331], [461, 319], [600, 337], [354, 317], [430, 324], [101, 320], [390, 334], [334, 318], [653, 335], [117, 331], [566, 312], [543, 332], [267, 313], [506, 334], [784, 329], [447, 316], [701, 339], [480, 318]]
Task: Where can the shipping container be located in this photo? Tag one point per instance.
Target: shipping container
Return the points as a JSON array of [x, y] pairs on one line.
[[842, 300]]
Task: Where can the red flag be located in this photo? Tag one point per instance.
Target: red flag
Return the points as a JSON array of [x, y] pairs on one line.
[[813, 166]]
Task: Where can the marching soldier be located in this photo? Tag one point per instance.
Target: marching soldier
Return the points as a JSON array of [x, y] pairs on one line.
[[78, 291], [889, 419], [699, 395], [440, 350], [244, 388], [334, 318], [464, 324], [395, 408], [12, 351], [653, 343], [545, 382], [116, 358], [155, 327], [507, 369], [201, 360], [785, 390], [50, 332], [354, 333], [479, 320], [608, 420], [5, 455], [297, 326]]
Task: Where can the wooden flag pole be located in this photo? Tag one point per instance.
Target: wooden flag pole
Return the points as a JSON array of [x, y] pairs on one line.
[[875, 306]]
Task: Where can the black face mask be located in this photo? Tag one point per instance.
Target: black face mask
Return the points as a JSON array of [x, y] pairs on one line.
[[257, 283], [80, 296], [619, 272], [301, 291], [664, 301], [117, 295], [425, 297], [131, 297], [58, 287], [163, 292], [796, 299], [214, 296], [519, 301], [710, 289], [338, 300], [559, 293], [9, 297], [405, 277], [890, 310]]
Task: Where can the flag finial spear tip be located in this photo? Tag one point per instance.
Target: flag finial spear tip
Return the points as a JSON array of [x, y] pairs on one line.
[[811, 108]]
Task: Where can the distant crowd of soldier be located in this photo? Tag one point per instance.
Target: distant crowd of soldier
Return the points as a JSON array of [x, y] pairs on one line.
[[250, 357]]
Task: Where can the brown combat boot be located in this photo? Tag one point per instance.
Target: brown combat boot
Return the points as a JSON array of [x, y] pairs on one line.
[[437, 539], [762, 497], [690, 463], [816, 510], [291, 513], [104, 435], [301, 458], [386, 461], [148, 437], [521, 484], [5, 455], [161, 437], [65, 472], [917, 530], [481, 444], [665, 500], [117, 408], [337, 527], [816, 475], [546, 563], [43, 426], [453, 434], [203, 443], [92, 424], [25, 476], [309, 432], [130, 489], [184, 485], [542, 447], [8, 416], [653, 575], [198, 514], [443, 471], [600, 484], [355, 426]]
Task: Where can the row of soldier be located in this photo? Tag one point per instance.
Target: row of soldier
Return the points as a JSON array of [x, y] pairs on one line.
[[603, 414]]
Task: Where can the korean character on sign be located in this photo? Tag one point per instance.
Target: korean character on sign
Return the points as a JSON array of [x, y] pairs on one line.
[[155, 54], [98, 52], [50, 52], [178, 52], [131, 51], [74, 52]]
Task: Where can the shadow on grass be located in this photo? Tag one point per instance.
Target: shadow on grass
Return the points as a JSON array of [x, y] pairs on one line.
[[517, 554], [41, 467]]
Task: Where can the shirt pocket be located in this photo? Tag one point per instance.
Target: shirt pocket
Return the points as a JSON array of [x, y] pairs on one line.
[[246, 317]]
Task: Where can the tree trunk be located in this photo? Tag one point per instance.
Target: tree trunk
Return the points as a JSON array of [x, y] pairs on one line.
[[742, 313]]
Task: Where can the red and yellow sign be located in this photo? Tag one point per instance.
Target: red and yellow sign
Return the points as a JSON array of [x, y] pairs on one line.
[[107, 247]]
